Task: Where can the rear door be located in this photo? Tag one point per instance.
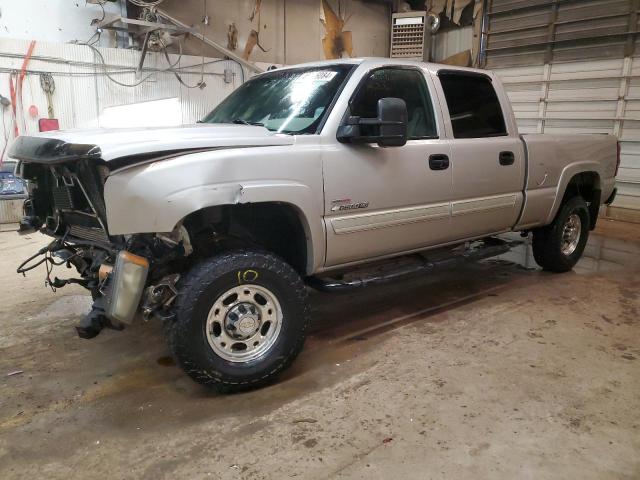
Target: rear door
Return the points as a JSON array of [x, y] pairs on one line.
[[487, 159]]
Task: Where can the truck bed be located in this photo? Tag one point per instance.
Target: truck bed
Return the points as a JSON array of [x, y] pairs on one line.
[[552, 161]]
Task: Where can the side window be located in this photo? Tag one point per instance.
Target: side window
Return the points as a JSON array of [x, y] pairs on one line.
[[473, 105], [407, 84]]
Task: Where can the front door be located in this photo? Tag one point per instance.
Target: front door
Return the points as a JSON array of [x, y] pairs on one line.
[[381, 201]]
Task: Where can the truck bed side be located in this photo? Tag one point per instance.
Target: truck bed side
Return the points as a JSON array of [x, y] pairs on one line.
[[552, 161]]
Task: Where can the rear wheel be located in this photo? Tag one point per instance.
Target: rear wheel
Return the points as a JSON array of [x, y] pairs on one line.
[[559, 246], [241, 318]]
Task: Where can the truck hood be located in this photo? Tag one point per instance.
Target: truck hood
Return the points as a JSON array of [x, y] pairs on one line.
[[116, 143]]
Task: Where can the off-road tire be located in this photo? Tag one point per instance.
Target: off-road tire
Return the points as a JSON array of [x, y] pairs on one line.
[[198, 291], [547, 241]]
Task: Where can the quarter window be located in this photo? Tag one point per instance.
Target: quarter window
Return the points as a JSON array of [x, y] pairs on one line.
[[474, 107], [407, 84]]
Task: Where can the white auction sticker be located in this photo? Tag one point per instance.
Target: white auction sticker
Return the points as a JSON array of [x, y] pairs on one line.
[[317, 76]]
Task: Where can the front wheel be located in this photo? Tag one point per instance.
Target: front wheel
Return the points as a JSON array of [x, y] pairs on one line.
[[559, 246], [241, 318]]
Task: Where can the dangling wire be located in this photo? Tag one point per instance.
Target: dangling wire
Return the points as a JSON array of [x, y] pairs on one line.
[[103, 64], [47, 259], [201, 84], [146, 3]]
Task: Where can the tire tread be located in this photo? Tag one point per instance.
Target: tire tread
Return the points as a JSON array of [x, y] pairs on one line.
[[193, 286], [546, 250]]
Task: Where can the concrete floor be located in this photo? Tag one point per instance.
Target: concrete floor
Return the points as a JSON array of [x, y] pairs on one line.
[[491, 370]]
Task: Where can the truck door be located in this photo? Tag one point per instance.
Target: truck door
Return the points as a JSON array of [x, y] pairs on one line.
[[381, 201], [487, 159]]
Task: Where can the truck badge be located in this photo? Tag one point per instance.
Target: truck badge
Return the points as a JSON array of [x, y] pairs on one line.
[[347, 204]]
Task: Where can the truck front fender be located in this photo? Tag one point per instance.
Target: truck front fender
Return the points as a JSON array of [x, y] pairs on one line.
[[154, 199]]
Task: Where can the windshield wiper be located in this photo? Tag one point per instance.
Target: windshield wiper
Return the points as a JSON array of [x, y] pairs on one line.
[[239, 121]]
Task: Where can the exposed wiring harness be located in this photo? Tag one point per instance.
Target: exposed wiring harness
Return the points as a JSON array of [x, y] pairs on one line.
[[146, 3], [200, 84], [150, 6], [171, 69], [49, 262], [113, 68], [104, 14], [71, 250], [103, 64]]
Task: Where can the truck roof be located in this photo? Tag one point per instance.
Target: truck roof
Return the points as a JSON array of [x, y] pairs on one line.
[[373, 62]]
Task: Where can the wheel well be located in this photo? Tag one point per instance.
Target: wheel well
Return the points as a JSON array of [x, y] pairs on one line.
[[586, 185], [273, 226]]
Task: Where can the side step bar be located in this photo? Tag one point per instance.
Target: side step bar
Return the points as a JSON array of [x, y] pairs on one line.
[[399, 268]]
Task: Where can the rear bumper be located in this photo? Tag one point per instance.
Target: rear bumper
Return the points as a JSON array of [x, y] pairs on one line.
[[612, 197]]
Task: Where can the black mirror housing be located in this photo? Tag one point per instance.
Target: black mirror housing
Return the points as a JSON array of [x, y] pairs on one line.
[[389, 129], [392, 115]]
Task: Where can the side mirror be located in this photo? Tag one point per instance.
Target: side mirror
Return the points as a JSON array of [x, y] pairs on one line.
[[392, 117], [389, 129]]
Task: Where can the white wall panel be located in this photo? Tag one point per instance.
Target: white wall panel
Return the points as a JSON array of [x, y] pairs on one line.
[[56, 20], [82, 90]]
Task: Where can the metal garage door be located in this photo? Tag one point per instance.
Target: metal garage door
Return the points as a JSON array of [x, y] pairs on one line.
[[573, 67]]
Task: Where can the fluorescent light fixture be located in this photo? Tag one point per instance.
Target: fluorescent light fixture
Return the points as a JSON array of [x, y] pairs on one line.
[[155, 113], [409, 21]]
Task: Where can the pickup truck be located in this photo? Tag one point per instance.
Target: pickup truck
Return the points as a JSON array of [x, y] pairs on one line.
[[300, 176]]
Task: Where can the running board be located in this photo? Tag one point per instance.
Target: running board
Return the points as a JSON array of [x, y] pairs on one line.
[[400, 268]]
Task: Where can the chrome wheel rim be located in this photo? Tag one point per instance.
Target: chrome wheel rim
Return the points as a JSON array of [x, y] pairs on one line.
[[244, 323], [571, 234]]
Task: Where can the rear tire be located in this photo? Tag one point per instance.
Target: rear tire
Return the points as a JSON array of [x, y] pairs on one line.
[[241, 319], [559, 246]]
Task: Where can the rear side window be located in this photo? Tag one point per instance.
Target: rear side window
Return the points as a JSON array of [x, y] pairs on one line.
[[473, 105]]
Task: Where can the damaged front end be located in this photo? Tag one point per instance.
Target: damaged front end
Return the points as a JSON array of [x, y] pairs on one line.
[[124, 273], [121, 282]]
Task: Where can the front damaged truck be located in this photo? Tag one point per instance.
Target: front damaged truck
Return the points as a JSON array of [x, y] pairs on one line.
[[300, 178], [67, 203]]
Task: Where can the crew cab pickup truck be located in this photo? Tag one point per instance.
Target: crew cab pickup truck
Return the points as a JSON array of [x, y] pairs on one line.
[[300, 176]]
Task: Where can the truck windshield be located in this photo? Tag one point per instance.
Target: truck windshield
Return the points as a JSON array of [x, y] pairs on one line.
[[287, 101]]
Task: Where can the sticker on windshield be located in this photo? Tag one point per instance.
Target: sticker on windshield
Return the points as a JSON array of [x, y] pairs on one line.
[[317, 76]]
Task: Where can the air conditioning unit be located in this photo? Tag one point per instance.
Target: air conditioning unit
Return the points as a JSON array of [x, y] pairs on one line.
[[408, 30]]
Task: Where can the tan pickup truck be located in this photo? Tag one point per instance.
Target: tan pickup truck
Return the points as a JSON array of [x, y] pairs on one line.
[[300, 177]]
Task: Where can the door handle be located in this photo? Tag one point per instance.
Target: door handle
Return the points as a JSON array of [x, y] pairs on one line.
[[438, 161], [506, 158]]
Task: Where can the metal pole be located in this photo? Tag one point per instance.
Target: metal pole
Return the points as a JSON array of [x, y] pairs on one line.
[[211, 43], [426, 45]]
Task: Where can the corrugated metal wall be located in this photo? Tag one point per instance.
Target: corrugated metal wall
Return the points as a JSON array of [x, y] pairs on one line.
[[11, 211], [82, 90], [573, 67]]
